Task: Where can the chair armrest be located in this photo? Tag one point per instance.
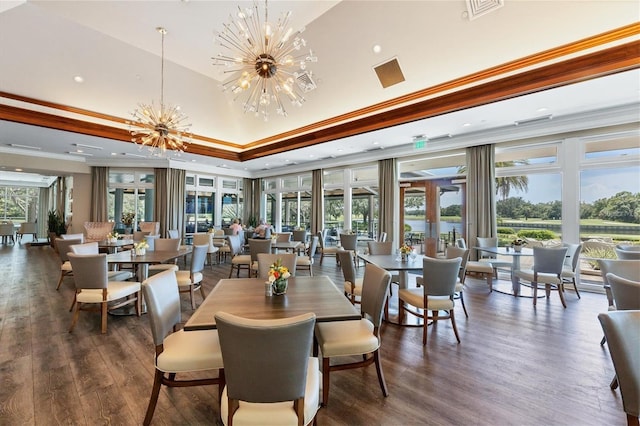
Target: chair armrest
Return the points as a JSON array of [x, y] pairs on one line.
[[607, 290]]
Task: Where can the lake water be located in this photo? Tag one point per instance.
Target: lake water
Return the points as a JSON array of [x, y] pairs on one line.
[[445, 227]]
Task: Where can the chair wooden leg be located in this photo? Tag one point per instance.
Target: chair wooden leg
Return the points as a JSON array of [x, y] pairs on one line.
[[463, 306], [76, 314], [603, 341], [383, 383], [535, 293], [155, 391], [575, 286], [60, 280], [103, 316], [453, 324], [73, 303], [191, 295], [614, 383], [490, 283], [139, 303], [204, 296], [632, 420], [561, 293], [231, 271], [325, 381]]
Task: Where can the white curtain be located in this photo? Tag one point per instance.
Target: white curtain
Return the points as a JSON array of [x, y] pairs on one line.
[[481, 194]]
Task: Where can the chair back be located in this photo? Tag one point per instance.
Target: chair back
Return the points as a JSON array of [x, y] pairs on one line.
[[378, 247], [626, 293], [205, 238], [349, 241], [79, 236], [549, 260], [629, 269], [228, 231], [283, 237], [153, 228], [28, 228], [440, 276], [375, 286], [321, 237], [487, 242], [198, 257], [258, 245], [6, 229], [573, 256], [265, 360], [98, 231], [235, 246], [139, 235], [166, 244], [265, 260], [628, 252], [86, 248], [151, 241], [452, 253], [460, 242], [347, 265], [89, 270], [313, 247], [383, 237], [622, 331], [163, 304], [173, 233], [300, 235], [63, 247]]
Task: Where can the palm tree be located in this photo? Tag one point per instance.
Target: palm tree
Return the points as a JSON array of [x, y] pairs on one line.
[[504, 185]]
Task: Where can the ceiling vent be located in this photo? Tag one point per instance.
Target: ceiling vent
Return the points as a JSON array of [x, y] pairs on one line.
[[477, 8], [389, 73], [305, 82]]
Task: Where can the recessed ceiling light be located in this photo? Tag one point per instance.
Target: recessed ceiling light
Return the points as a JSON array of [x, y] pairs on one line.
[[84, 154], [543, 109], [78, 79], [18, 170], [311, 155], [376, 48], [466, 125], [376, 142], [81, 145], [114, 153]]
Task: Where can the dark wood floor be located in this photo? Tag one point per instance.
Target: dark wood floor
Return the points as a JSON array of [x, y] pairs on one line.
[[515, 365]]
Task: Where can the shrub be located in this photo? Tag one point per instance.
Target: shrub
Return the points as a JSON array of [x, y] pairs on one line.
[[505, 230], [600, 253], [407, 227], [538, 234]]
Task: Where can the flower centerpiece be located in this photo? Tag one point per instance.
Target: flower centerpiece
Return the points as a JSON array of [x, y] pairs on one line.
[[405, 250], [517, 244], [278, 275], [112, 236], [127, 219], [141, 247]]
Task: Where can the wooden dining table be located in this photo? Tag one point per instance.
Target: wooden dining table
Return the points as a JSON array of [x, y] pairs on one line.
[[286, 246], [246, 297], [143, 261]]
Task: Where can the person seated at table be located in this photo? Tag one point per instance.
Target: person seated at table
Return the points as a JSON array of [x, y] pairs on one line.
[[263, 230], [236, 227]]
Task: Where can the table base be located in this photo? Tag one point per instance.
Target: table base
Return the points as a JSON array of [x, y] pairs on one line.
[[506, 287]]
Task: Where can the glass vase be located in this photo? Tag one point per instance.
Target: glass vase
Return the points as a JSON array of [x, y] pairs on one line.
[[279, 287]]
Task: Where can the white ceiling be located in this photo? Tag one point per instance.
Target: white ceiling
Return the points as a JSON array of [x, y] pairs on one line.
[[115, 48]]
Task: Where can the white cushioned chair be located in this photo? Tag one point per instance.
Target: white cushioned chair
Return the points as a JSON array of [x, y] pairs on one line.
[[440, 277], [163, 244], [306, 260], [629, 269], [570, 271], [27, 228], [177, 351], [476, 267], [547, 270], [352, 285], [271, 380], [97, 231], [238, 259], [191, 280], [359, 337], [63, 247], [153, 228], [326, 250], [93, 287], [206, 238]]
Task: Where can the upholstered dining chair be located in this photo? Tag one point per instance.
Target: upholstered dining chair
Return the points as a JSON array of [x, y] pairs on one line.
[[164, 244], [63, 248], [257, 245], [628, 251], [326, 250], [238, 259], [305, 261], [357, 337], [77, 236], [570, 271], [265, 260], [349, 242], [475, 267], [177, 351], [451, 253], [97, 231], [547, 270], [153, 228], [7, 232], [27, 228], [622, 330], [173, 233], [352, 285], [490, 258], [437, 293], [191, 280], [299, 235], [629, 269], [275, 382], [90, 274], [206, 238]]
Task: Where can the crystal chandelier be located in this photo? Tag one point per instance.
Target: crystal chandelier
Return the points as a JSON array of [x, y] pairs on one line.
[[161, 127], [267, 63]]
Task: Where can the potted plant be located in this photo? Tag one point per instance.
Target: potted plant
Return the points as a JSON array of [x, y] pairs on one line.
[[127, 220], [517, 244], [55, 225]]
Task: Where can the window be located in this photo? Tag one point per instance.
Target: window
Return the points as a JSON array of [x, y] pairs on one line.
[[130, 192], [19, 204], [200, 204]]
